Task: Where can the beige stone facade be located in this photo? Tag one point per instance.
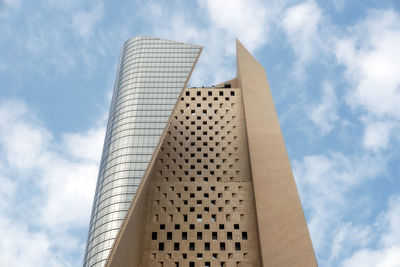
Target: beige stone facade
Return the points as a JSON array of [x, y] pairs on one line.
[[219, 190]]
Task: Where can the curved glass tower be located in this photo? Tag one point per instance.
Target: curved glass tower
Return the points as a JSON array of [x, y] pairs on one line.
[[151, 74]]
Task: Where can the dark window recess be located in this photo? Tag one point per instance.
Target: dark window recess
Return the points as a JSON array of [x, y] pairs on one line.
[[169, 235], [191, 226], [184, 235], [222, 246], [221, 226], [199, 235], [207, 226], [161, 246], [229, 235], [237, 245], [244, 235], [176, 246], [154, 236], [207, 246], [162, 226], [191, 264], [177, 226], [236, 226], [191, 246], [214, 235], [227, 85], [184, 255]]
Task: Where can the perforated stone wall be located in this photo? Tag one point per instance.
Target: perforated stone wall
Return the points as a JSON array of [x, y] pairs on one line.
[[201, 206]]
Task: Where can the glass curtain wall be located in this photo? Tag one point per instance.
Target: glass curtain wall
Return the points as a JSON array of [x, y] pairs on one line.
[[151, 74]]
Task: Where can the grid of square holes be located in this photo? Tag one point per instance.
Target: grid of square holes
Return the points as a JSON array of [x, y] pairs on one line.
[[202, 209]]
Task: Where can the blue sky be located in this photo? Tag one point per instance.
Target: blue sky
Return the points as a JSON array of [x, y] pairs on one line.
[[334, 72]]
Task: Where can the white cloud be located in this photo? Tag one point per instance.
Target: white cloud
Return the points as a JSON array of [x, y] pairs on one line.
[[390, 223], [301, 23], [52, 184], [247, 20], [83, 22], [388, 251], [375, 258], [339, 4], [324, 115], [21, 247], [377, 135], [349, 236], [324, 182], [372, 59], [84, 145], [7, 6]]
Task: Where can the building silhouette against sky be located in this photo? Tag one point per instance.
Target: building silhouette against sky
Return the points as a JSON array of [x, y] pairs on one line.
[[206, 168]]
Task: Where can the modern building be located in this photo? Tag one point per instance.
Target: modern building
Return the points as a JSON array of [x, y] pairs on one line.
[[207, 169], [151, 74]]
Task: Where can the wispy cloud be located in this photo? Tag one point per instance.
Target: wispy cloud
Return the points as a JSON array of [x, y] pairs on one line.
[[377, 134], [48, 184], [325, 184], [7, 6], [388, 249], [84, 22], [302, 24], [372, 59], [324, 115]]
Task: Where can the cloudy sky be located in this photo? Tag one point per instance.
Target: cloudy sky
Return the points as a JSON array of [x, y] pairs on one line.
[[334, 71]]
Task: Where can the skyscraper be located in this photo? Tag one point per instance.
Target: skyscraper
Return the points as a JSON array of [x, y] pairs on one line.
[[151, 74], [216, 187]]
